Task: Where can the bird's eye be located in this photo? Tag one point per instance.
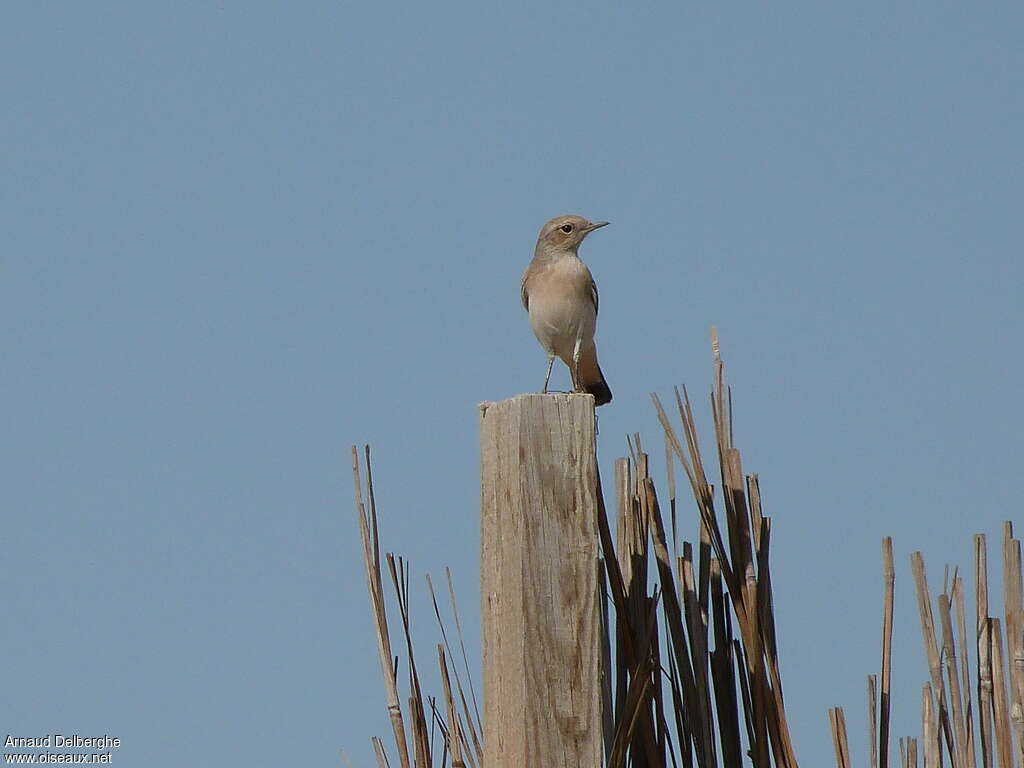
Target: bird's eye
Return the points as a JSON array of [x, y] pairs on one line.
[[567, 228]]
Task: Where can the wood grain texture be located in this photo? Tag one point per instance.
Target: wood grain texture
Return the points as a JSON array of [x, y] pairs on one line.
[[539, 583]]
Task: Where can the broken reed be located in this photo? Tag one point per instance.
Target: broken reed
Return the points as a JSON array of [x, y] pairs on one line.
[[993, 688], [693, 671]]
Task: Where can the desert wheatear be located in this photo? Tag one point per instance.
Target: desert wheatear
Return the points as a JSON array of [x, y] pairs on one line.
[[560, 295]]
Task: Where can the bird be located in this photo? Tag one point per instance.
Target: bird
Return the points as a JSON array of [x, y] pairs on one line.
[[560, 296]]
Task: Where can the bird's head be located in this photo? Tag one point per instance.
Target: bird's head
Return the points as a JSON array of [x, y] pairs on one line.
[[565, 233]]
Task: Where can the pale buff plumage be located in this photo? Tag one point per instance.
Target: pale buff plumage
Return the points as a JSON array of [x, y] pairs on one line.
[[560, 295]]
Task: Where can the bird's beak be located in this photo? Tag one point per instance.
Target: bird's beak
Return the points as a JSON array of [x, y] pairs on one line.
[[597, 225]]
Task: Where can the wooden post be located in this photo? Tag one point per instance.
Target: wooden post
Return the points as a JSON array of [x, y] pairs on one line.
[[539, 583]]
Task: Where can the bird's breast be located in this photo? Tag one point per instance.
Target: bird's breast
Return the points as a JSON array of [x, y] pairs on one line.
[[561, 306]]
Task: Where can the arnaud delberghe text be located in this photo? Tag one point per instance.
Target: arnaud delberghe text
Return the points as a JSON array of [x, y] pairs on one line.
[[57, 741]]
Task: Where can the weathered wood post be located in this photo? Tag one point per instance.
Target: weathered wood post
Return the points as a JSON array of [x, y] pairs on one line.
[[539, 583]]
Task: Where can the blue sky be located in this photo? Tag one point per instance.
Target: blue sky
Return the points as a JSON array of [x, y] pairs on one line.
[[239, 238]]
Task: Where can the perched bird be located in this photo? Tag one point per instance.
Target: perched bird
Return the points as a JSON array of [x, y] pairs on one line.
[[560, 295]]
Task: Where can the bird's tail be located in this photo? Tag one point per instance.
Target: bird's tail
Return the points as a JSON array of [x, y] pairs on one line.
[[591, 380], [600, 390]]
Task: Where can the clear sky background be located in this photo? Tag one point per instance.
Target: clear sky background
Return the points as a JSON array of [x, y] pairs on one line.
[[239, 237]]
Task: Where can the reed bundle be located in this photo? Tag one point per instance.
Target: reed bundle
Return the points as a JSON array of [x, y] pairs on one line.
[[690, 646], [457, 723], [990, 684]]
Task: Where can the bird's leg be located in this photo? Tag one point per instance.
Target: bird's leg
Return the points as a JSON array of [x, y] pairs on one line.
[[551, 362], [576, 363]]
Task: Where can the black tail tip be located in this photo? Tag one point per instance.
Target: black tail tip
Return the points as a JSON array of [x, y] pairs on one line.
[[601, 391]]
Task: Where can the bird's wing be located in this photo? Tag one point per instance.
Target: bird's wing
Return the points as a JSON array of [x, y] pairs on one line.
[[524, 293], [593, 294]]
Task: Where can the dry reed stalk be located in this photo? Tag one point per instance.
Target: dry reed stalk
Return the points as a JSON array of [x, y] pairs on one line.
[[421, 739], [873, 720], [474, 724], [961, 615], [635, 697], [465, 661], [953, 678], [983, 650], [697, 633], [722, 674], [670, 472], [741, 675], [607, 701], [625, 559], [834, 728], [931, 648], [659, 724], [986, 699], [761, 527], [459, 732], [467, 748], [683, 737], [371, 557], [1015, 651], [929, 729], [912, 753], [454, 739], [378, 750], [889, 573], [1000, 704], [839, 741], [613, 568], [843, 739], [782, 744]]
